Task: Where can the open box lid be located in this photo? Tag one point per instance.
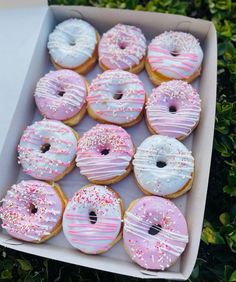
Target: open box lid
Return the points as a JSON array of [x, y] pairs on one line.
[[18, 39]]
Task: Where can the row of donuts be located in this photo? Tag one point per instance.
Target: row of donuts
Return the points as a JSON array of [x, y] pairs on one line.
[[154, 230], [105, 154], [75, 44], [118, 97]]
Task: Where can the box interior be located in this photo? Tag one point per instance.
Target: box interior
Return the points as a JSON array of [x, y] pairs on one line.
[[191, 204]]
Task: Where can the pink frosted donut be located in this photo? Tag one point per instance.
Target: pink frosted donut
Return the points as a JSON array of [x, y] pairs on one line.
[[47, 150], [92, 221], [116, 97], [155, 232], [173, 109], [104, 154], [61, 95], [32, 211], [122, 47], [174, 55]]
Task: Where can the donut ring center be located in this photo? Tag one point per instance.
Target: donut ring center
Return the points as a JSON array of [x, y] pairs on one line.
[[118, 95], [33, 209], [174, 53], [45, 147], [154, 229], [61, 93], [172, 109], [93, 217], [105, 152], [122, 45], [160, 164]]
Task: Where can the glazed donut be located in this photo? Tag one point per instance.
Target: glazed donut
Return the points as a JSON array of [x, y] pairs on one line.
[[173, 109], [92, 222], [116, 97], [73, 45], [122, 47], [163, 166], [61, 95], [155, 232], [174, 55], [47, 150], [104, 154], [32, 210]]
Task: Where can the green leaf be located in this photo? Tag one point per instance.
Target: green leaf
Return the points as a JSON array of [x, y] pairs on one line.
[[233, 277], [224, 218], [6, 274], [25, 265]]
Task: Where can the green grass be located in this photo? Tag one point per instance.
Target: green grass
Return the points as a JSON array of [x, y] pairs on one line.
[[217, 254]]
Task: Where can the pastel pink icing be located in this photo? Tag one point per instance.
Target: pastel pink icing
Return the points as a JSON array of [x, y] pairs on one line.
[[174, 54], [31, 210], [173, 95], [168, 228], [122, 47], [104, 152], [60, 94], [117, 96], [93, 234], [60, 142]]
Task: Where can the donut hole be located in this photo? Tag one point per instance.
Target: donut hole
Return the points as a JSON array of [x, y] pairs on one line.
[[93, 217], [118, 95], [72, 43], [174, 53], [33, 209], [61, 93], [105, 152], [172, 109], [160, 164], [45, 147], [154, 229], [122, 45]]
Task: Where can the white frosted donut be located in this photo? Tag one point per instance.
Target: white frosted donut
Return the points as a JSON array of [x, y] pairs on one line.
[[163, 165], [92, 220], [176, 55], [47, 149], [72, 43], [117, 97]]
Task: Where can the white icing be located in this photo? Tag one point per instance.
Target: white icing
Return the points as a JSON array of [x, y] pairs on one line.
[[72, 43], [105, 86], [170, 178]]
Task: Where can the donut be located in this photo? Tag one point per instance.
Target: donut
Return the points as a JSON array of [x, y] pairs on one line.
[[155, 232], [173, 109], [122, 47], [74, 45], [92, 222], [116, 97], [61, 95], [47, 150], [174, 55], [104, 154], [32, 210], [163, 166]]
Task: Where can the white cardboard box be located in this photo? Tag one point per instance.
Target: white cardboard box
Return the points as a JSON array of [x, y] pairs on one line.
[[24, 29]]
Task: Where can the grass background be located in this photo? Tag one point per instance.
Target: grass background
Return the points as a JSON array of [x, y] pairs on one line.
[[217, 254]]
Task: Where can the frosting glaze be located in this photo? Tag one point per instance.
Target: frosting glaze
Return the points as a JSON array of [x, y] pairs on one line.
[[31, 210], [60, 94], [92, 219], [122, 47], [176, 165], [177, 55], [72, 43], [104, 152], [155, 232], [47, 148], [173, 109], [116, 96]]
